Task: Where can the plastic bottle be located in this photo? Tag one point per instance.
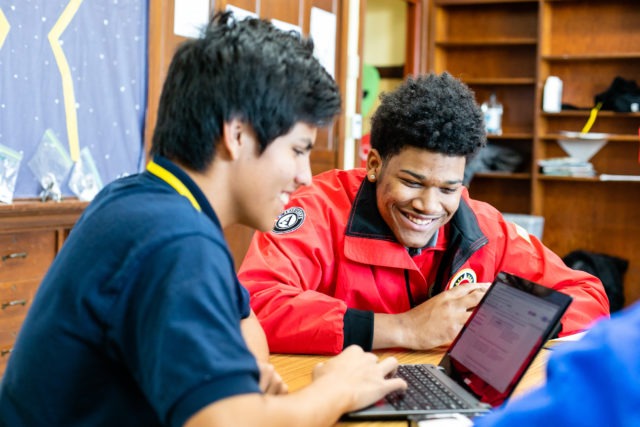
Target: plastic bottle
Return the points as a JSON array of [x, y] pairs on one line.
[[492, 110], [552, 95]]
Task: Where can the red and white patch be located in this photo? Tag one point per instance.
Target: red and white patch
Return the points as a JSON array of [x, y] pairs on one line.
[[462, 277]]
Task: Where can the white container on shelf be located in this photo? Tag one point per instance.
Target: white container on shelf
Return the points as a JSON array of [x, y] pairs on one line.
[[552, 95], [492, 110]]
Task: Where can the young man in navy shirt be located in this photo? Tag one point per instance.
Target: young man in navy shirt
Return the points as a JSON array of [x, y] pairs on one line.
[[141, 320]]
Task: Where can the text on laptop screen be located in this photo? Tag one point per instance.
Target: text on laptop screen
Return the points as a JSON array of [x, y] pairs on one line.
[[500, 336], [500, 340]]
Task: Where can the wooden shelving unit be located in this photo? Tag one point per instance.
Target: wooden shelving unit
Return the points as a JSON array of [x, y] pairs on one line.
[[588, 43], [510, 47], [492, 47]]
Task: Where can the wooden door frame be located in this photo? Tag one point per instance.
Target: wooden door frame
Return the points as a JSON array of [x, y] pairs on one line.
[[416, 37]]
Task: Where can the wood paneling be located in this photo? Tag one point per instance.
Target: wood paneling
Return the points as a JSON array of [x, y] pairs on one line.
[[250, 5], [596, 216], [162, 45], [289, 11]]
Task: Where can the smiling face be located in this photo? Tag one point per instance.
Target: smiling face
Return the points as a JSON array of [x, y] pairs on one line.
[[417, 192], [265, 182]]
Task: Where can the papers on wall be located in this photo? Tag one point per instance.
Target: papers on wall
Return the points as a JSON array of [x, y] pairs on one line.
[[323, 32], [190, 17]]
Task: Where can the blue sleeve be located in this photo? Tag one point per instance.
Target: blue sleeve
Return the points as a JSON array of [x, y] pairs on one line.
[[591, 382], [182, 335], [245, 306]]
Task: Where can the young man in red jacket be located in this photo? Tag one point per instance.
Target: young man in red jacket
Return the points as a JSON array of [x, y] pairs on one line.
[[398, 254]]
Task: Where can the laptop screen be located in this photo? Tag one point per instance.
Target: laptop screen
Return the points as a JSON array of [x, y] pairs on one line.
[[503, 336]]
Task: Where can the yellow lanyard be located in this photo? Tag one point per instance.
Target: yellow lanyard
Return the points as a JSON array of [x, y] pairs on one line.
[[173, 181]]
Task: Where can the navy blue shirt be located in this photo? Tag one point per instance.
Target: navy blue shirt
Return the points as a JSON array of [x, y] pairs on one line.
[[137, 322]]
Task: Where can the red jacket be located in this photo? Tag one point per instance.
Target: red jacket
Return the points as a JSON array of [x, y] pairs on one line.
[[331, 262]]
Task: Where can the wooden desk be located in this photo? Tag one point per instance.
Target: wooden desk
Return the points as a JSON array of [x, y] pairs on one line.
[[296, 372]]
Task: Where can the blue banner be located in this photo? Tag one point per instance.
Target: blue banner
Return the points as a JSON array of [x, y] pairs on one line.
[[77, 68]]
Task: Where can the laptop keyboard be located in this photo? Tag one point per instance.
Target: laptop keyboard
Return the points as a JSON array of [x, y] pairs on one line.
[[424, 391]]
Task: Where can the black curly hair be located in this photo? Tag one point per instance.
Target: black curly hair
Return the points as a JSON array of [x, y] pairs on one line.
[[434, 112], [247, 70]]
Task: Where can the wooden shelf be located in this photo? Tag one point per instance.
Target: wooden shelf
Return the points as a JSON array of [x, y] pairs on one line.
[[524, 136], [506, 81], [468, 2], [586, 179], [592, 57], [568, 178], [586, 113], [610, 137], [33, 213], [503, 175], [36, 206], [506, 42]]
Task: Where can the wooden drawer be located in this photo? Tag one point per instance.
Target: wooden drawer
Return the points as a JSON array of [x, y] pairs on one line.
[[15, 300], [31, 233], [26, 255]]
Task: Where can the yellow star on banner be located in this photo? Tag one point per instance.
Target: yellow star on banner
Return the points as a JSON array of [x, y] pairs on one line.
[[65, 73], [4, 28]]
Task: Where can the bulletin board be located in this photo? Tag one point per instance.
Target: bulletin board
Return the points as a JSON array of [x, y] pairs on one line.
[[78, 69]]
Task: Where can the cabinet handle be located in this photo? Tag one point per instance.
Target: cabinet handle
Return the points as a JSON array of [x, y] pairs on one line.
[[5, 351], [14, 255], [14, 302]]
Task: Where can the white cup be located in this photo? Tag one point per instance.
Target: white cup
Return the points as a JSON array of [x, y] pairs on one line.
[[552, 95]]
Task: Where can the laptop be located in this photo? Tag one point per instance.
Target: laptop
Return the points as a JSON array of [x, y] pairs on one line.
[[486, 360]]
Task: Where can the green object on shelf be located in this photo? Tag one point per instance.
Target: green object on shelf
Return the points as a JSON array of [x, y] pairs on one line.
[[370, 87]]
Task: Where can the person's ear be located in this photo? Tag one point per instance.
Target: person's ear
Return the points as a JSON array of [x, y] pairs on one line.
[[232, 138], [374, 165]]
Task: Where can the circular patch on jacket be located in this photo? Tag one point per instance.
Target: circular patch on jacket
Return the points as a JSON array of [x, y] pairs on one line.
[[289, 220], [466, 275]]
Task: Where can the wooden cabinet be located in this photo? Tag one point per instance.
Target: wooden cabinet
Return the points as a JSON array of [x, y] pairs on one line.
[[31, 234], [510, 47]]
